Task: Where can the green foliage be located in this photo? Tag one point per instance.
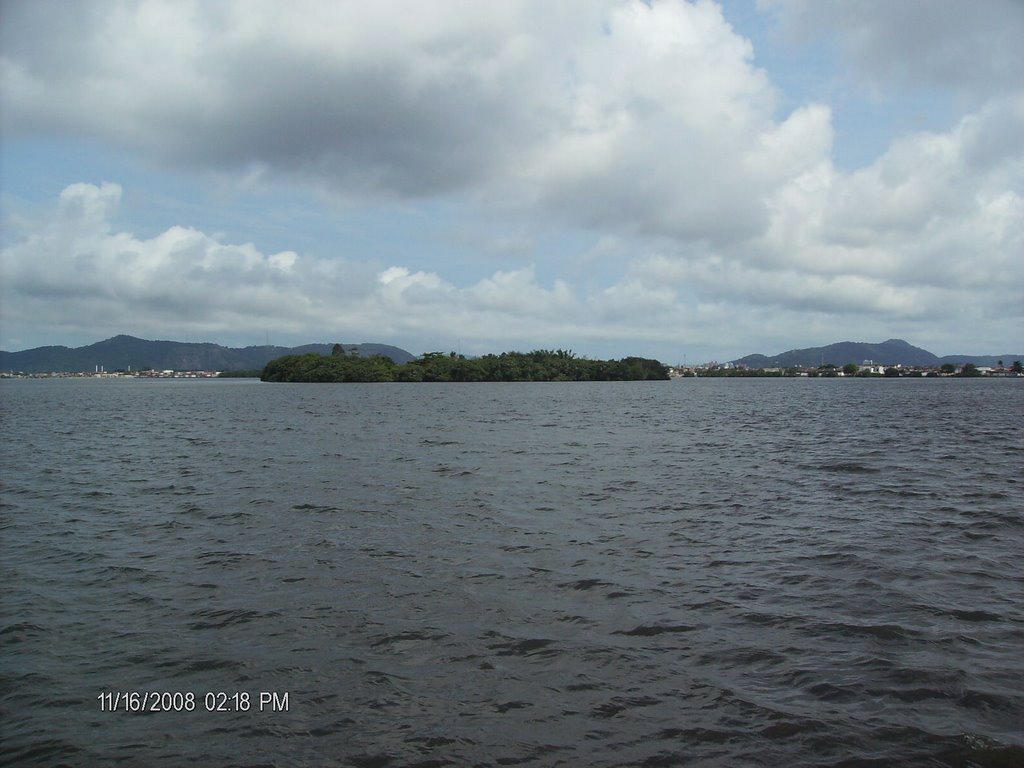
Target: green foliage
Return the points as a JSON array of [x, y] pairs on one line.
[[970, 370], [850, 369], [329, 368], [539, 365]]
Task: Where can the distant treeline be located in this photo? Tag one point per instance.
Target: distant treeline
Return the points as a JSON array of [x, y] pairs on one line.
[[539, 365]]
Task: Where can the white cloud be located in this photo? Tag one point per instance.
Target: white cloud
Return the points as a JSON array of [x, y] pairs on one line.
[[616, 115], [646, 131], [933, 230], [666, 128], [74, 264]]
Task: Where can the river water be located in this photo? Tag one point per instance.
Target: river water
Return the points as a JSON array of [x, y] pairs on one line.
[[696, 572]]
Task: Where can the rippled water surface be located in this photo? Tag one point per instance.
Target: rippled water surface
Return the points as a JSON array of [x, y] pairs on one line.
[[697, 572]]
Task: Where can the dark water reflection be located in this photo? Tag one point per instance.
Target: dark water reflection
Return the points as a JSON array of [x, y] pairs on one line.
[[698, 572]]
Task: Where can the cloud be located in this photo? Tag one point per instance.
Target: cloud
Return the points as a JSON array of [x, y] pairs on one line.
[[945, 208], [667, 129], [617, 170], [973, 48], [933, 230], [617, 115], [73, 267], [74, 264], [405, 98]]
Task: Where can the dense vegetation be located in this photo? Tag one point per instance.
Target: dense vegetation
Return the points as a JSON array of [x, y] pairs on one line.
[[539, 365]]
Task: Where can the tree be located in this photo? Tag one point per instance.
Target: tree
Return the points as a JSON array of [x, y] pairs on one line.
[[850, 369], [970, 370], [948, 368], [1016, 367], [539, 365], [337, 349]]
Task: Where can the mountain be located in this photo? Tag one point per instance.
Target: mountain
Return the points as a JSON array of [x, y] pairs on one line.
[[124, 352], [891, 352]]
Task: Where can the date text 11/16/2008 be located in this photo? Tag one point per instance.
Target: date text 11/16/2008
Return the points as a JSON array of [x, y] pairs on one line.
[[190, 701]]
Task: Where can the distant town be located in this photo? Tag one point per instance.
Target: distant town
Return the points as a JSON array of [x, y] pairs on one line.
[[131, 357], [100, 373], [867, 369]]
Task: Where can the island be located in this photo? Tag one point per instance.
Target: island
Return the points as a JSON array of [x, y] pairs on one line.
[[539, 365]]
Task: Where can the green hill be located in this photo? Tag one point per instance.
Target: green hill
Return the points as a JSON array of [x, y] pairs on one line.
[[891, 352], [128, 352]]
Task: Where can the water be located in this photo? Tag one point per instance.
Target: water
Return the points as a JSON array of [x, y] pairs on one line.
[[696, 572]]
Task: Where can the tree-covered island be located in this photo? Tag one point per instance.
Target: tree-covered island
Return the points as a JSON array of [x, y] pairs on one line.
[[539, 365]]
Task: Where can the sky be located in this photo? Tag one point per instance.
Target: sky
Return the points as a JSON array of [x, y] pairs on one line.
[[690, 181]]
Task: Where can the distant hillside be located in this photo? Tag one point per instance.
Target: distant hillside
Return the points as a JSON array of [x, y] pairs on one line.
[[124, 352], [891, 352]]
